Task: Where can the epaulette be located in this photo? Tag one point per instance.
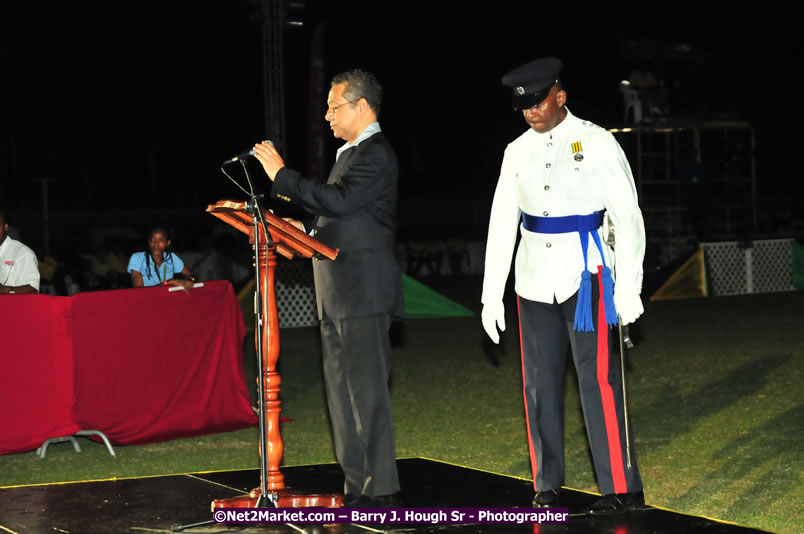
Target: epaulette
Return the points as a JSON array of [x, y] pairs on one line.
[[591, 124]]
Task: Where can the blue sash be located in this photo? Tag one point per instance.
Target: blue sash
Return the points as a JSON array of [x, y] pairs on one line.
[[585, 225], [563, 225]]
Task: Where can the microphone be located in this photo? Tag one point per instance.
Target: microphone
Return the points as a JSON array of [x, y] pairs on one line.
[[244, 155], [239, 157]]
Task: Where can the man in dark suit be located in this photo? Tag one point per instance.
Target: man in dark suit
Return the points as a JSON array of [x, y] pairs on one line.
[[358, 294]]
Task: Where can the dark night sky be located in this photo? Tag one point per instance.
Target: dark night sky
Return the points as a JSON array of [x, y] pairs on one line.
[[148, 98]]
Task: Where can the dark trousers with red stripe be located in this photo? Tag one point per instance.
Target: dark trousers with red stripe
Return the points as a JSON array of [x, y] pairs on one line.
[[546, 332]]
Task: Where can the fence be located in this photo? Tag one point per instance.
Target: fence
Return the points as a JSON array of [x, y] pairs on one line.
[[735, 268]]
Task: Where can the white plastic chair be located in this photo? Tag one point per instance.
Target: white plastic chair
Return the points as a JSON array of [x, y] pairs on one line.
[[632, 102]]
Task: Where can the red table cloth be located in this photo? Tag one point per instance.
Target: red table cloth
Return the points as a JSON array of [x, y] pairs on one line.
[[140, 365]]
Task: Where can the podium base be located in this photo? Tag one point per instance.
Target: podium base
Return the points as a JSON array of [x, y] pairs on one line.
[[286, 498]]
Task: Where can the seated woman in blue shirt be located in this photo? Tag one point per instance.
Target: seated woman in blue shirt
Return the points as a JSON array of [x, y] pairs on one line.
[[158, 265]]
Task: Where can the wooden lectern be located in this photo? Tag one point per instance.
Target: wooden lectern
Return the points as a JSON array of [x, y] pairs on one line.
[[291, 242]]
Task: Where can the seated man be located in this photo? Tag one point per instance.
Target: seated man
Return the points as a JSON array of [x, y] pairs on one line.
[[19, 269]]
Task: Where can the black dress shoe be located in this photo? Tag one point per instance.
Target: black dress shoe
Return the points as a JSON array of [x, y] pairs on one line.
[[546, 499], [380, 501], [617, 503], [350, 499]]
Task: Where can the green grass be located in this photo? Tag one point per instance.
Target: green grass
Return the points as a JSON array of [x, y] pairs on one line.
[[715, 393]]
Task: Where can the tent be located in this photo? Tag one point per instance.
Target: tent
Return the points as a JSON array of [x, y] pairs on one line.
[[422, 301]]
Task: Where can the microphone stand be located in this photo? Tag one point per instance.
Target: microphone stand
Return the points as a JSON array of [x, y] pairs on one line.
[[272, 490], [253, 207]]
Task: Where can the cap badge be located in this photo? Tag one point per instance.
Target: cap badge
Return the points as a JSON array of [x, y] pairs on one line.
[[520, 90]]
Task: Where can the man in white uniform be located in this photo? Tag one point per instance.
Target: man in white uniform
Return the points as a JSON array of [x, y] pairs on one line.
[[19, 269], [557, 181]]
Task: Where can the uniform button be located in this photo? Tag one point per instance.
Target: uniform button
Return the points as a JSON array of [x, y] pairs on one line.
[[549, 144], [548, 245], [547, 165], [547, 188], [315, 258], [545, 214], [577, 169]]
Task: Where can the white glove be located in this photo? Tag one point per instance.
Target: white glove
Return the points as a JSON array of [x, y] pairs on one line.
[[628, 306], [493, 315]]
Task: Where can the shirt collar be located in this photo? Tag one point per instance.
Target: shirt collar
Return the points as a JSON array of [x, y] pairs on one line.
[[561, 128], [367, 132]]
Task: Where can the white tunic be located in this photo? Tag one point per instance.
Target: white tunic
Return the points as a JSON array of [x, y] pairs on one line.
[[550, 175]]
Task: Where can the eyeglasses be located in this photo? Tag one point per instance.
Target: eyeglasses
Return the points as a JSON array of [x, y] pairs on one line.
[[334, 109]]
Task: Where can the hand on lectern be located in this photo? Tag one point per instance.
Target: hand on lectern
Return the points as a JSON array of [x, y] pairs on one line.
[[298, 224], [269, 157]]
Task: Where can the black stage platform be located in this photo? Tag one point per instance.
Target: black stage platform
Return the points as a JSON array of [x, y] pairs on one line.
[[158, 504]]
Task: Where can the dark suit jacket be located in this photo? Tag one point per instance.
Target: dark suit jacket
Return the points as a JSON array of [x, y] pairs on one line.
[[356, 213]]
